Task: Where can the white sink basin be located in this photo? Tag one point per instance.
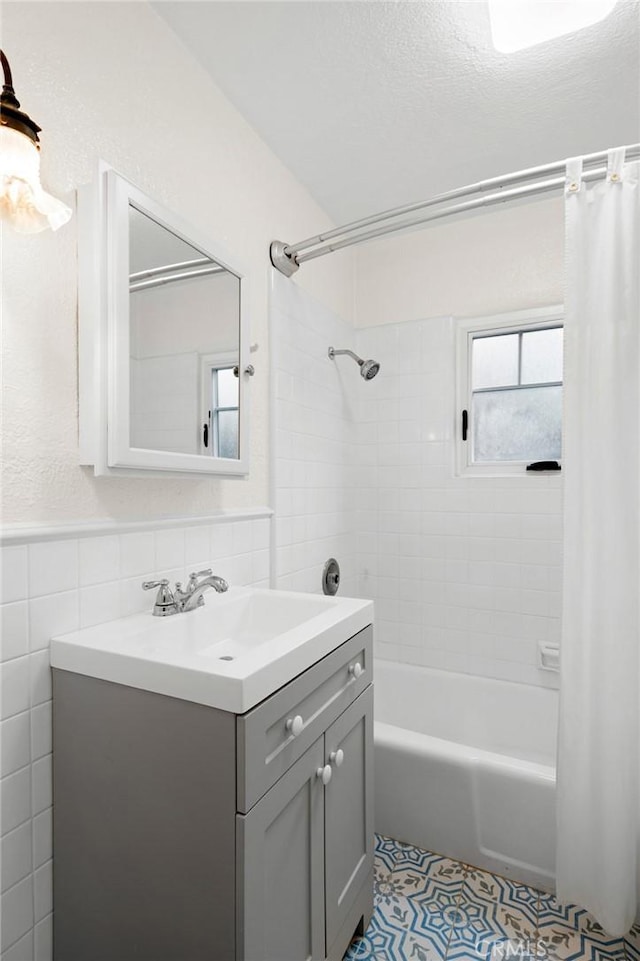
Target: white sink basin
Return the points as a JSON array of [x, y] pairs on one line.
[[231, 653]]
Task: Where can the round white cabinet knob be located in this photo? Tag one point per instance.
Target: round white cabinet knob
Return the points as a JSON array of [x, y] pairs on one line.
[[294, 725], [337, 757], [356, 669], [325, 773]]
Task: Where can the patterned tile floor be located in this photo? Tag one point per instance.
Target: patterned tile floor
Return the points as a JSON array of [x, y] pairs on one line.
[[430, 908]]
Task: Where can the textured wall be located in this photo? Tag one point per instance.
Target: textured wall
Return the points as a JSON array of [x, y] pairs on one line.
[[111, 81], [502, 259]]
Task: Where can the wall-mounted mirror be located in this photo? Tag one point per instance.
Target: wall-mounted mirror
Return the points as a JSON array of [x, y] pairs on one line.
[[175, 369]]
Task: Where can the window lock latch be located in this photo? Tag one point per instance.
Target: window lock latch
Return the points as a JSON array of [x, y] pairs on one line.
[[544, 465], [465, 424]]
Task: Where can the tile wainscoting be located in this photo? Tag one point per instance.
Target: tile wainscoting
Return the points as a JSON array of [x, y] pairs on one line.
[[56, 580]]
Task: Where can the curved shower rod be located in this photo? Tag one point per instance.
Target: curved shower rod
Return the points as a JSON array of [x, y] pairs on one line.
[[288, 257]]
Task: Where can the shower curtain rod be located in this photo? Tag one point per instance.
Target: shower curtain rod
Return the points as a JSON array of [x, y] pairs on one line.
[[288, 257], [159, 276]]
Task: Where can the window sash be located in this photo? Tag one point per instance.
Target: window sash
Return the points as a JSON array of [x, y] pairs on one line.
[[519, 322]]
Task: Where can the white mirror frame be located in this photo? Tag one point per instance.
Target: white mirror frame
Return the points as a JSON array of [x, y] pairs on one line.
[[104, 361]]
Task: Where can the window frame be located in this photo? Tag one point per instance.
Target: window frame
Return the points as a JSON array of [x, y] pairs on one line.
[[520, 321]]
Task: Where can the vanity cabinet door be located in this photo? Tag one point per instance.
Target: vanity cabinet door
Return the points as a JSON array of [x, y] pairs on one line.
[[280, 858], [348, 810]]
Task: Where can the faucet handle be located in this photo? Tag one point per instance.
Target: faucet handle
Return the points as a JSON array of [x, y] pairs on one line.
[[194, 575], [165, 602]]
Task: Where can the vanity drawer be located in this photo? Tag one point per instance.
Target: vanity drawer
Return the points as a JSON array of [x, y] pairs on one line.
[[267, 742]]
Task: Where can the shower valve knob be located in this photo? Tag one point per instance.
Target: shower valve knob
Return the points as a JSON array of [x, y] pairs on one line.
[[294, 725], [325, 774], [356, 670], [337, 757]]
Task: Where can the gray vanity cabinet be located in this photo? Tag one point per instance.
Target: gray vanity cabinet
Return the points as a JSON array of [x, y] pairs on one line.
[[348, 812], [280, 868], [305, 850], [187, 833]]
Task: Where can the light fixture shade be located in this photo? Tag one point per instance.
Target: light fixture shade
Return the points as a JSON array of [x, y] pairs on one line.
[[22, 198]]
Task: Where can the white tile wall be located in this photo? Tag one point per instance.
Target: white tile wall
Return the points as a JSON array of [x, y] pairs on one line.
[[52, 587], [313, 439], [465, 572]]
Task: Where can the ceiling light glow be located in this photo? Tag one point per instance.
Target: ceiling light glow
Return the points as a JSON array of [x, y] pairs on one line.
[[517, 24]]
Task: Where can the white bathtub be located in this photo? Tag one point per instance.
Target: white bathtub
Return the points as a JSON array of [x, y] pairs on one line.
[[465, 767]]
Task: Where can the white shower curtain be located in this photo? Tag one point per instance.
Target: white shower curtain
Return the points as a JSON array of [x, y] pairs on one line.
[[599, 744]]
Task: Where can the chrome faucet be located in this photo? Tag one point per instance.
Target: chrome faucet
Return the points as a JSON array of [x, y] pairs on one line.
[[180, 601], [192, 597]]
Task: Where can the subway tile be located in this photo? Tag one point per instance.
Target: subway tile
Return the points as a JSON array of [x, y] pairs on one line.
[[508, 576], [16, 908], [42, 891], [409, 612], [51, 615], [261, 533], [260, 565], [41, 785], [481, 525], [137, 554], [40, 680], [242, 537], [14, 574], [41, 731], [410, 568], [43, 939], [14, 630], [243, 570], [99, 603], [197, 546], [14, 687], [22, 950], [16, 800], [456, 548], [538, 552], [532, 627], [132, 598], [53, 567], [170, 549], [15, 856], [506, 525], [457, 619], [98, 559], [42, 831], [535, 602], [15, 743], [554, 630]]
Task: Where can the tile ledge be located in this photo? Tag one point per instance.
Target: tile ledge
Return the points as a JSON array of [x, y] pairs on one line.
[[17, 534]]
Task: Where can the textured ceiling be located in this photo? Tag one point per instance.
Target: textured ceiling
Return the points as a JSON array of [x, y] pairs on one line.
[[373, 104]]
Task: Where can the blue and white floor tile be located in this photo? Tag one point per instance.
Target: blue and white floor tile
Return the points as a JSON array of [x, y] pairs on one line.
[[430, 908]]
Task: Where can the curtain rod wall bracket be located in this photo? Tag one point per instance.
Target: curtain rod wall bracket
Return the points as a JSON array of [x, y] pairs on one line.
[[282, 261]]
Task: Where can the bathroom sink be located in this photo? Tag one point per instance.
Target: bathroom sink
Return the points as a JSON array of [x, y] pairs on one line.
[[231, 653]]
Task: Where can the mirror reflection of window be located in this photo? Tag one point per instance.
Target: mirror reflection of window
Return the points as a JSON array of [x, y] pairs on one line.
[[220, 430], [184, 307]]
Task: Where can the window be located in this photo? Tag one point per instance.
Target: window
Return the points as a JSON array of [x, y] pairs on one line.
[[221, 407], [510, 391]]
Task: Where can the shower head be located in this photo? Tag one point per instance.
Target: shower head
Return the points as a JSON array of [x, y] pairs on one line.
[[368, 368]]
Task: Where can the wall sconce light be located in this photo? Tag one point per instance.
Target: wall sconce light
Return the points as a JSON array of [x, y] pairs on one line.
[[22, 200]]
